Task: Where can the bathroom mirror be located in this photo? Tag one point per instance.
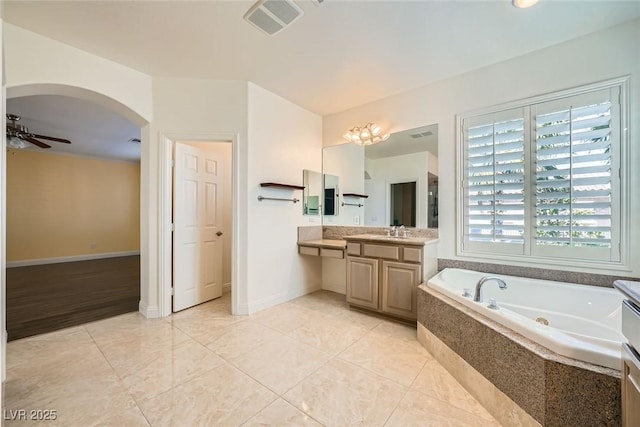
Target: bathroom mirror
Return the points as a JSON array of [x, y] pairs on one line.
[[312, 192], [368, 176], [331, 196]]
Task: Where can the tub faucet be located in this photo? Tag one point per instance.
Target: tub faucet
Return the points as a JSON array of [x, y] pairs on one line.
[[478, 295]]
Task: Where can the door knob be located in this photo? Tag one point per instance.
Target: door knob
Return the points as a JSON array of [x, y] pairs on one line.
[[219, 233]]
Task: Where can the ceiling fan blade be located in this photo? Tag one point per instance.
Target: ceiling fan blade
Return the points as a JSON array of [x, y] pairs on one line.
[[50, 138], [35, 142]]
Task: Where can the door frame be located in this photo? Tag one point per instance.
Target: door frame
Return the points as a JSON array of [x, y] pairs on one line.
[[165, 241]]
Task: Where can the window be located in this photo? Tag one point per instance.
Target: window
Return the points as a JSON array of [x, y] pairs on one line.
[[542, 177]]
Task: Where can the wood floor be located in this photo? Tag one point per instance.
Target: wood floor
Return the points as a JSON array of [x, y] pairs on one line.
[[45, 298]]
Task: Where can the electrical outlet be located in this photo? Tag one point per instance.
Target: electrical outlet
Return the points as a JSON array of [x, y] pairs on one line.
[[356, 220]]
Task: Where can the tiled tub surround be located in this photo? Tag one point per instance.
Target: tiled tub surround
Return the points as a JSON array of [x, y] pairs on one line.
[[517, 380], [533, 273], [339, 232]]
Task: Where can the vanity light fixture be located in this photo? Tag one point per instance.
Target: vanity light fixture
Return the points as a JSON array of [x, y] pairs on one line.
[[368, 134], [523, 4]]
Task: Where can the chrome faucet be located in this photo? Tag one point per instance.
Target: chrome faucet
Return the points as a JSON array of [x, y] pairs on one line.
[[398, 231], [478, 295]]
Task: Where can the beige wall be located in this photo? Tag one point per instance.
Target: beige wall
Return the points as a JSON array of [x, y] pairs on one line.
[[60, 206]]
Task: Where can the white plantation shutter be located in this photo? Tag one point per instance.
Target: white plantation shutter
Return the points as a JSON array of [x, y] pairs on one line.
[[576, 174], [544, 179], [495, 179]]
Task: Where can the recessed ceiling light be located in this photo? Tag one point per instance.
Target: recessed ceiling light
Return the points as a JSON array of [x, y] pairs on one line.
[[523, 4]]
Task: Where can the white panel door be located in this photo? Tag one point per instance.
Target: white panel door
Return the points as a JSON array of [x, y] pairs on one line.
[[197, 217]]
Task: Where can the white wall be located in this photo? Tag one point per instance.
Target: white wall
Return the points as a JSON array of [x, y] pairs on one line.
[[40, 65], [191, 109], [392, 170], [283, 139], [595, 57], [347, 163]]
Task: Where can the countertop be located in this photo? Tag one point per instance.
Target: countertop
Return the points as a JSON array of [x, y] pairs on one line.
[[630, 289], [324, 243], [381, 238]]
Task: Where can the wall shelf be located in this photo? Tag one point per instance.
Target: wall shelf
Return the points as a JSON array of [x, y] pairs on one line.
[[285, 186], [361, 196]]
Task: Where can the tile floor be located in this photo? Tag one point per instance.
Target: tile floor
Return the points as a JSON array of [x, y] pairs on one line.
[[309, 362]]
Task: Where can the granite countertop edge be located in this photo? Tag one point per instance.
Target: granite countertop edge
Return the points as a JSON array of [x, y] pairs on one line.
[[630, 289], [380, 238]]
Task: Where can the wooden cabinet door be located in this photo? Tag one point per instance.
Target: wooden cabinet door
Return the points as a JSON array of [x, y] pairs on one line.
[[630, 388], [362, 282], [399, 288]]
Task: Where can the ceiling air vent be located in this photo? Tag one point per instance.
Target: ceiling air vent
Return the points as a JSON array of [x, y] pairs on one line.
[[272, 16], [422, 134]]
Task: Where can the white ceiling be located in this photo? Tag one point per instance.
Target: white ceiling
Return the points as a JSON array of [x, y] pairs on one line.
[[93, 130], [339, 55], [406, 142]]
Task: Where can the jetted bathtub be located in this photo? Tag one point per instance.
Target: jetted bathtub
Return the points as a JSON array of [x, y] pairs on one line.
[[577, 321]]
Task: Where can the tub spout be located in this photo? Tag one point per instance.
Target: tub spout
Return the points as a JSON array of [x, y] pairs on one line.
[[478, 295]]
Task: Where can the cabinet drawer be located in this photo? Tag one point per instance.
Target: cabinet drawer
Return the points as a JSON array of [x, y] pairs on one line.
[[381, 251], [412, 254], [353, 249], [332, 253], [308, 250]]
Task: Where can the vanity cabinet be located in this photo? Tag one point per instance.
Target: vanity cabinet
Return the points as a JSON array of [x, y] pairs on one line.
[[630, 387], [399, 287], [362, 282], [383, 274]]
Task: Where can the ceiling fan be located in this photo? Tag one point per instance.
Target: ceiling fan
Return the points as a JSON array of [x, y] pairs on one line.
[[18, 135]]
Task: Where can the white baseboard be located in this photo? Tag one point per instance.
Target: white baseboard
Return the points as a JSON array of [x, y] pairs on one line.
[[57, 260], [150, 312], [264, 303]]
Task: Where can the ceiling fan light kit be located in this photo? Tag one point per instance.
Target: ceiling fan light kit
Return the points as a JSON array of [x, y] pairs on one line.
[[18, 136]]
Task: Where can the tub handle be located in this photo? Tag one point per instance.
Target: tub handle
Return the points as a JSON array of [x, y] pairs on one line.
[[493, 304], [467, 293]]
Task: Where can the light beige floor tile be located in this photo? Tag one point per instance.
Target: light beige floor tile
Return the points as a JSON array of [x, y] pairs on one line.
[[357, 318], [419, 410], [242, 337], [130, 418], [324, 302], [223, 396], [340, 394], [329, 335], [281, 414], [434, 381], [151, 374], [286, 317], [395, 359], [204, 327], [44, 348], [83, 392], [134, 330], [36, 380], [396, 330], [128, 357], [281, 364]]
